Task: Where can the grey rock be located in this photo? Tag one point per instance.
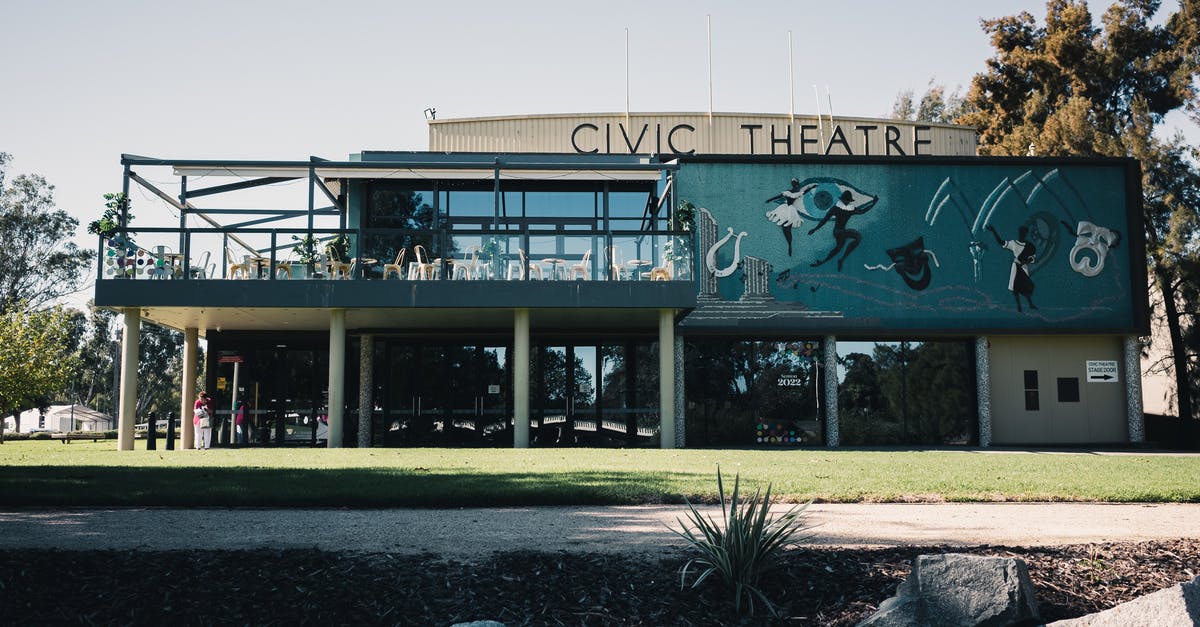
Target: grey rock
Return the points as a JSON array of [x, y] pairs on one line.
[[956, 589], [898, 611], [1177, 605], [479, 623]]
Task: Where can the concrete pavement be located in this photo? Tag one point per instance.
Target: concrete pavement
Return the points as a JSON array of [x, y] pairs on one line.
[[470, 533]]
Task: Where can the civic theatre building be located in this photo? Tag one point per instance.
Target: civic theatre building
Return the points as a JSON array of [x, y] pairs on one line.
[[655, 280]]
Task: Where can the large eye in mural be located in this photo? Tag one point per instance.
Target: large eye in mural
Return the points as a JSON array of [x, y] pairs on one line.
[[813, 199], [821, 194]]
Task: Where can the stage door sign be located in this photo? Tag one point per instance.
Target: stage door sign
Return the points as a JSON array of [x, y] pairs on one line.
[[1102, 372]]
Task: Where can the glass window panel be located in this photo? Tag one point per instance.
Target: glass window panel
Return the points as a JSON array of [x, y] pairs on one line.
[[399, 208], [628, 205], [906, 392], [466, 204], [560, 204]]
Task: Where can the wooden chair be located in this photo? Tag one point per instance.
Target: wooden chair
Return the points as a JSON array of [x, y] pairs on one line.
[[396, 266], [236, 268], [583, 269]]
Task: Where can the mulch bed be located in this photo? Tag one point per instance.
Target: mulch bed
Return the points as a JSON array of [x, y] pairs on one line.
[[813, 586]]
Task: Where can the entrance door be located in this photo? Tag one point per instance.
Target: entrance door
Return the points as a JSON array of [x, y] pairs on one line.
[[493, 421], [566, 413], [447, 394]]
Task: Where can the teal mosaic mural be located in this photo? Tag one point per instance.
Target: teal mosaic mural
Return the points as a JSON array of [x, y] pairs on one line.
[[968, 245]]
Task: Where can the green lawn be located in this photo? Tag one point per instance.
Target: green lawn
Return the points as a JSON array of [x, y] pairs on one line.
[[85, 473]]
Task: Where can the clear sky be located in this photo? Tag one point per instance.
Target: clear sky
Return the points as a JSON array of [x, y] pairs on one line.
[[86, 81]]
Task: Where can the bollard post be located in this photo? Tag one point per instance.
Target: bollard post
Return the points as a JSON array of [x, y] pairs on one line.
[[170, 431], [152, 431]]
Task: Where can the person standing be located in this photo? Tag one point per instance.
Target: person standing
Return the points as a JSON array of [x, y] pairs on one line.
[[203, 419], [1019, 281]]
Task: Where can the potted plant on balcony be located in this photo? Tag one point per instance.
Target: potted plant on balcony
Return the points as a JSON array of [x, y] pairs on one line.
[[677, 249], [121, 247], [306, 253], [489, 253]]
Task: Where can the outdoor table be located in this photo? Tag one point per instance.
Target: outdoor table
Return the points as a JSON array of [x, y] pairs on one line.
[[364, 265], [260, 264], [554, 263], [635, 266]]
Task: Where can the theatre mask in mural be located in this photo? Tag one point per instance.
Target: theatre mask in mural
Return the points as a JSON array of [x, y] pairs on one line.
[[1092, 244], [911, 262]]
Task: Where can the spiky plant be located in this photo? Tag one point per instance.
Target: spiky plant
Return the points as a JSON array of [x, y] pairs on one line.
[[744, 546]]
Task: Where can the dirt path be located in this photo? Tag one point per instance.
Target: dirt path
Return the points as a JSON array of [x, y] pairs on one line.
[[467, 533]]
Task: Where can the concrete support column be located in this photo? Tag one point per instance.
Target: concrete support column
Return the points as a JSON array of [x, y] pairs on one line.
[[129, 377], [983, 390], [187, 403], [666, 377], [680, 400], [829, 371], [366, 385], [337, 375], [1132, 346], [520, 365]]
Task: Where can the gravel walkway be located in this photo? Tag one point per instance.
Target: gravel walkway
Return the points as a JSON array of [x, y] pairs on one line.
[[476, 533]]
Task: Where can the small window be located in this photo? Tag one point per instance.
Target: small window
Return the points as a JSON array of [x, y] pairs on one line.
[[1031, 391], [1031, 400], [1068, 390]]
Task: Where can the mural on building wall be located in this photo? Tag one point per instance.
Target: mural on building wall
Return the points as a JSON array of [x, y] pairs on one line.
[[912, 246]]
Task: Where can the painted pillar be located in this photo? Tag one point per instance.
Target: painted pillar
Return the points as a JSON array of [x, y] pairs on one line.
[[187, 403], [337, 375], [666, 377], [1133, 389], [680, 416], [129, 377], [983, 390], [829, 371], [521, 378], [366, 385]]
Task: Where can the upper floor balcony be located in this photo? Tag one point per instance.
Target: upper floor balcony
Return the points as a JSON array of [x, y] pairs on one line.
[[400, 231]]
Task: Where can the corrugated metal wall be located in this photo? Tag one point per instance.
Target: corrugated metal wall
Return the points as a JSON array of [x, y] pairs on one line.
[[723, 133]]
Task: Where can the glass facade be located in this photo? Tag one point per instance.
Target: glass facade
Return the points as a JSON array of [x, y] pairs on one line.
[[753, 392], [908, 392]]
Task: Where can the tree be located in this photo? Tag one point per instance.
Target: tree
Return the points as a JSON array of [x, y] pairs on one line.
[[935, 106], [35, 358], [41, 262], [1073, 88]]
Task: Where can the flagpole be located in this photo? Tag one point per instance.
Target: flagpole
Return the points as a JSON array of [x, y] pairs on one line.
[[820, 125], [710, 69], [626, 77], [791, 85]]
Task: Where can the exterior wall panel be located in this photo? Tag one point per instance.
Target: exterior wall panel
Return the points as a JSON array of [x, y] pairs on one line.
[[682, 133], [1098, 416]]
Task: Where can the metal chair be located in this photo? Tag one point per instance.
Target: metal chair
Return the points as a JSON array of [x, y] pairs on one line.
[[395, 266], [583, 269], [236, 268]]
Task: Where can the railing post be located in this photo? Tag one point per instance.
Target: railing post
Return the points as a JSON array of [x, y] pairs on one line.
[[271, 266]]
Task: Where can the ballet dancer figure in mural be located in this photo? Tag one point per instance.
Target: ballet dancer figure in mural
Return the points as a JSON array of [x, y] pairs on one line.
[[1024, 253], [847, 206], [791, 213]]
